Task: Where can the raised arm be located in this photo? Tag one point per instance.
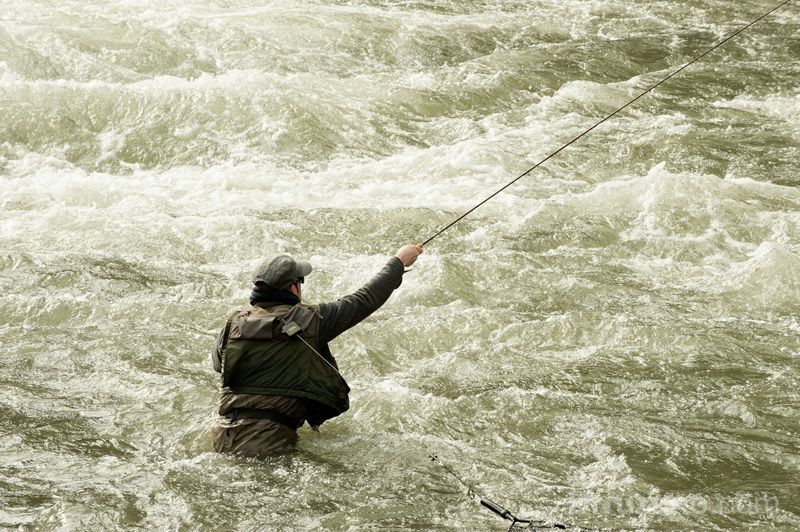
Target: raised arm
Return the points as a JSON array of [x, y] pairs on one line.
[[346, 312]]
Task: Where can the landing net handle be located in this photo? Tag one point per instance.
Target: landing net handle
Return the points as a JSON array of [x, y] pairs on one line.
[[516, 522]]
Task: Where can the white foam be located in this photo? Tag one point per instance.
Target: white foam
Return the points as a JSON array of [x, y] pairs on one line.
[[785, 108]]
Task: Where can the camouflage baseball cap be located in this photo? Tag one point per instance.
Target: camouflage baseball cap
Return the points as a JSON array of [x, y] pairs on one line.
[[281, 271]]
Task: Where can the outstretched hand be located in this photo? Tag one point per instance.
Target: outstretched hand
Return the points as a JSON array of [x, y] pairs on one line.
[[408, 254]]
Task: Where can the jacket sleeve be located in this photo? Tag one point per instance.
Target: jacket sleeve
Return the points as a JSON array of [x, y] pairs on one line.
[[346, 312], [216, 354]]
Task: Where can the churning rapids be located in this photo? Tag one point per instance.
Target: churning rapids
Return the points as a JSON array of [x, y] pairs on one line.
[[613, 341]]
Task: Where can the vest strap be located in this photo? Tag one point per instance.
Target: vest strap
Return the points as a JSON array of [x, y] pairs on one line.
[[257, 413], [224, 349]]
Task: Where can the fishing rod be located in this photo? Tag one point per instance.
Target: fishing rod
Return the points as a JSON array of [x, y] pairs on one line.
[[586, 131], [529, 524]]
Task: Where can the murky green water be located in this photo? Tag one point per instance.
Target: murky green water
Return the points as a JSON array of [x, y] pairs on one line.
[[614, 341]]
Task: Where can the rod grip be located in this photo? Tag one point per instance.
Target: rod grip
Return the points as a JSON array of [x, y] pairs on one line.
[[496, 508]]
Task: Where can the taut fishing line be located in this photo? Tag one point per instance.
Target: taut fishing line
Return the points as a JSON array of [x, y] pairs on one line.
[[586, 131], [529, 524]]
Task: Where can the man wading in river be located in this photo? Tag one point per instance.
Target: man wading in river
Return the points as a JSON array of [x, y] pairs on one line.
[[277, 370]]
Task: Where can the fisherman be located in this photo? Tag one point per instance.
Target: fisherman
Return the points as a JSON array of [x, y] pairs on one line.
[[277, 370]]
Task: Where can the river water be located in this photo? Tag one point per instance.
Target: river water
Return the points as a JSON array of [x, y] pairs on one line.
[[614, 341]]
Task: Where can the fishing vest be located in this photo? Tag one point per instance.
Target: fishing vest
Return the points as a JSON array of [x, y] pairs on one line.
[[258, 357]]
